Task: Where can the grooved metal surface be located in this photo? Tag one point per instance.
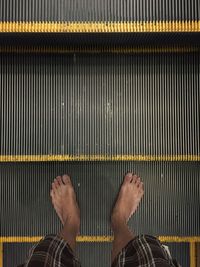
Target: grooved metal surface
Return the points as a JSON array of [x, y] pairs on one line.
[[99, 10], [15, 254], [142, 49], [180, 251], [105, 104], [170, 205]]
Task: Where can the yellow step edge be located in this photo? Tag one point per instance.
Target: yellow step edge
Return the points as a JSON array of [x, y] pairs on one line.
[[37, 158], [192, 254], [96, 50], [1, 254], [33, 239], [99, 27]]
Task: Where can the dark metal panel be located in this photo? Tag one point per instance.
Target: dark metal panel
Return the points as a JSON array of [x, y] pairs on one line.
[[99, 10], [180, 252], [100, 39], [90, 254], [102, 104], [170, 205], [15, 254], [98, 254]]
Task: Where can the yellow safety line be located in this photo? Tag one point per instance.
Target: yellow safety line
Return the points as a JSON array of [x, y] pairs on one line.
[[20, 239], [192, 254], [28, 158], [32, 239], [99, 27], [1, 254], [96, 50], [179, 239], [94, 238]]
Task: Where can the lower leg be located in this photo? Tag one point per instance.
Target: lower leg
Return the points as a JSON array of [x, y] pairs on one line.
[[122, 235], [69, 233], [127, 202]]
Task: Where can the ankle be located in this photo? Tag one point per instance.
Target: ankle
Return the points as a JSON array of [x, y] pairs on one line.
[[73, 223], [69, 233], [72, 227], [118, 224]]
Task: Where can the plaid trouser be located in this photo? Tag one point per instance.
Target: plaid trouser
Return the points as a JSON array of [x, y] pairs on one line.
[[52, 251], [142, 251]]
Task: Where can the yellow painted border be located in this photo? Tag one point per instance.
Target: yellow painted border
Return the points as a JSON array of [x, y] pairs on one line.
[[99, 27], [170, 239], [192, 254], [32, 158], [1, 254], [179, 239], [32, 239], [96, 50]]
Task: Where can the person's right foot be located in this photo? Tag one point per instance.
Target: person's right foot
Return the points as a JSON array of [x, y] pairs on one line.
[[129, 197]]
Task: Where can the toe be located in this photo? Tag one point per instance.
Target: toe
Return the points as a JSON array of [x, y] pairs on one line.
[[134, 178], [138, 181], [56, 183], [53, 186], [59, 180], [128, 177], [66, 179], [141, 185], [52, 193]]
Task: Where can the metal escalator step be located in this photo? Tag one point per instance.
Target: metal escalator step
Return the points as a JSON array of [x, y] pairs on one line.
[[99, 10], [102, 104], [170, 205], [171, 194]]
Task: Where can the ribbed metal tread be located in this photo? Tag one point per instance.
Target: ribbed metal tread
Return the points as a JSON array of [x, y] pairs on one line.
[[99, 10], [100, 104], [170, 205], [171, 195]]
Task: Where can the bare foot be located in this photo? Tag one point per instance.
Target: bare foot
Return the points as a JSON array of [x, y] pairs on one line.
[[64, 201], [129, 197]]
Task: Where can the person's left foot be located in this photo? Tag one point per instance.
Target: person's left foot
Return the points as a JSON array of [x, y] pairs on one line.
[[64, 201]]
